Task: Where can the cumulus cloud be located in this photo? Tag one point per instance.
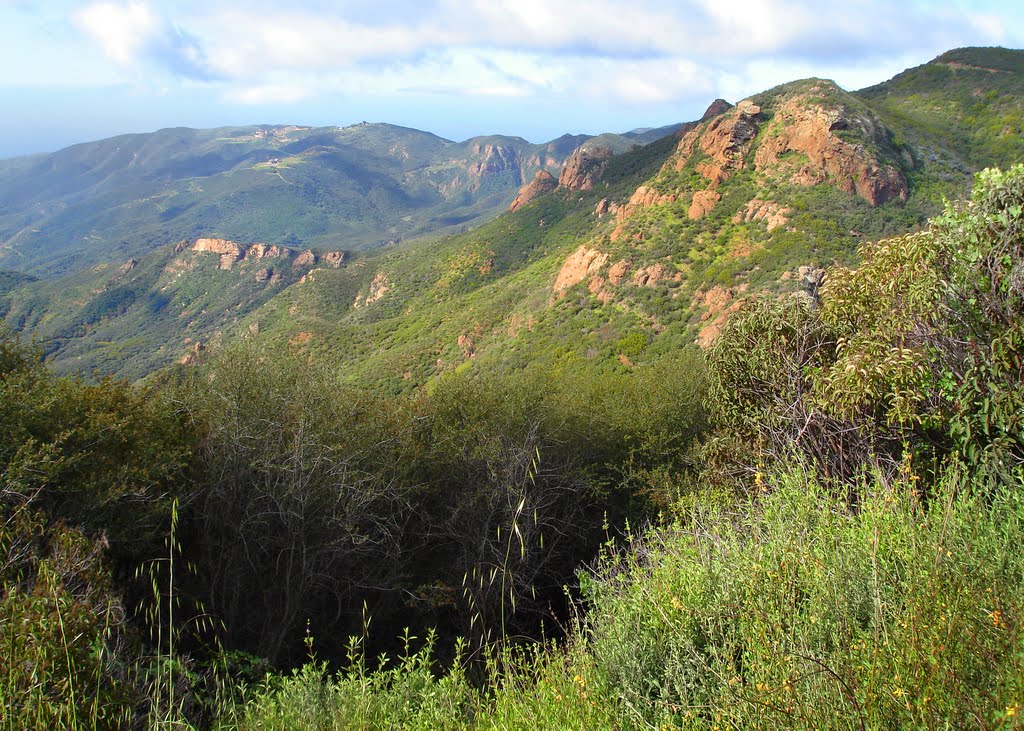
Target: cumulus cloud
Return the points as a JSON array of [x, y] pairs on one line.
[[128, 33], [648, 52]]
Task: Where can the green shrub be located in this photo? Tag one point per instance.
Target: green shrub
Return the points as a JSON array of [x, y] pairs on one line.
[[798, 612]]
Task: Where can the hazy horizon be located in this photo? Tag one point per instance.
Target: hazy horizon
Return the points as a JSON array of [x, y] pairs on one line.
[[78, 71]]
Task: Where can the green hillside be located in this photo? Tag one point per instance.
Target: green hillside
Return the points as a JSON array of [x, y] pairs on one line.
[[625, 262], [659, 273], [353, 187]]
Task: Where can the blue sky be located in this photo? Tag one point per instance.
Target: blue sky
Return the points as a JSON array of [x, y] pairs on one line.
[[78, 70]]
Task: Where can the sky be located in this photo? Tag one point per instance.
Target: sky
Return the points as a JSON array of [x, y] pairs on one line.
[[78, 70]]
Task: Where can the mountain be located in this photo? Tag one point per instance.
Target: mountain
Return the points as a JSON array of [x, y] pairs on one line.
[[353, 187], [612, 262]]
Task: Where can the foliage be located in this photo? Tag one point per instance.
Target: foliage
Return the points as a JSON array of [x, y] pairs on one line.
[[918, 349]]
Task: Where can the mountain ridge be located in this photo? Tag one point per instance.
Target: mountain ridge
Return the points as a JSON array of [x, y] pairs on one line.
[[628, 257]]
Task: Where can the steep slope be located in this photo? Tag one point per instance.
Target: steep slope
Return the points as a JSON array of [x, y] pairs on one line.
[[969, 100], [352, 187], [637, 255]]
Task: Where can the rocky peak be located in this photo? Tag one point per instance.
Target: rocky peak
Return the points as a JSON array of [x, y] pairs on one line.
[[725, 140], [804, 126], [718, 106], [542, 182], [584, 168]]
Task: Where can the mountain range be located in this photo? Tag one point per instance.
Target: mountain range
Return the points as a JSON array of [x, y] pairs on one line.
[[381, 247]]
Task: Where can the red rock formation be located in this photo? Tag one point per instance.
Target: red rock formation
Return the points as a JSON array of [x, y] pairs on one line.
[[218, 246], [702, 203], [229, 251], [334, 259], [584, 168], [618, 271], [581, 264], [725, 140], [542, 182], [770, 212], [378, 288], [810, 129], [306, 259], [262, 251], [643, 197], [649, 276]]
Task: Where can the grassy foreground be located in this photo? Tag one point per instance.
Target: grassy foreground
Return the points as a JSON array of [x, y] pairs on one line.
[[792, 611]]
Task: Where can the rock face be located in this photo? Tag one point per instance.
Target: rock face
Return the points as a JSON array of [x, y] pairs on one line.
[[719, 302], [306, 259], [725, 140], [229, 251], [770, 212], [584, 168], [378, 288], [262, 251], [718, 106], [232, 251], [649, 276], [494, 159], [581, 264], [333, 259], [617, 272], [218, 246], [811, 129], [542, 182], [703, 201]]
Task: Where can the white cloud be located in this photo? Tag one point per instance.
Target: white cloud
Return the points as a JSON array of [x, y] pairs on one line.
[[132, 33], [269, 94], [121, 31], [649, 52]]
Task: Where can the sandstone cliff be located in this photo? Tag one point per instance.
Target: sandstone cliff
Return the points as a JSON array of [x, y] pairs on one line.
[[584, 168], [542, 182]]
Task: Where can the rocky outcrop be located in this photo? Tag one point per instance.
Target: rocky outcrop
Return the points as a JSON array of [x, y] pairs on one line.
[[494, 159], [605, 206], [773, 214], [232, 251], [581, 264], [229, 251], [718, 106], [649, 276], [194, 356], [702, 203], [643, 197], [333, 259], [811, 129], [378, 288], [128, 266], [617, 272], [219, 246], [306, 259], [725, 140], [718, 303], [584, 168], [542, 182], [263, 251]]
